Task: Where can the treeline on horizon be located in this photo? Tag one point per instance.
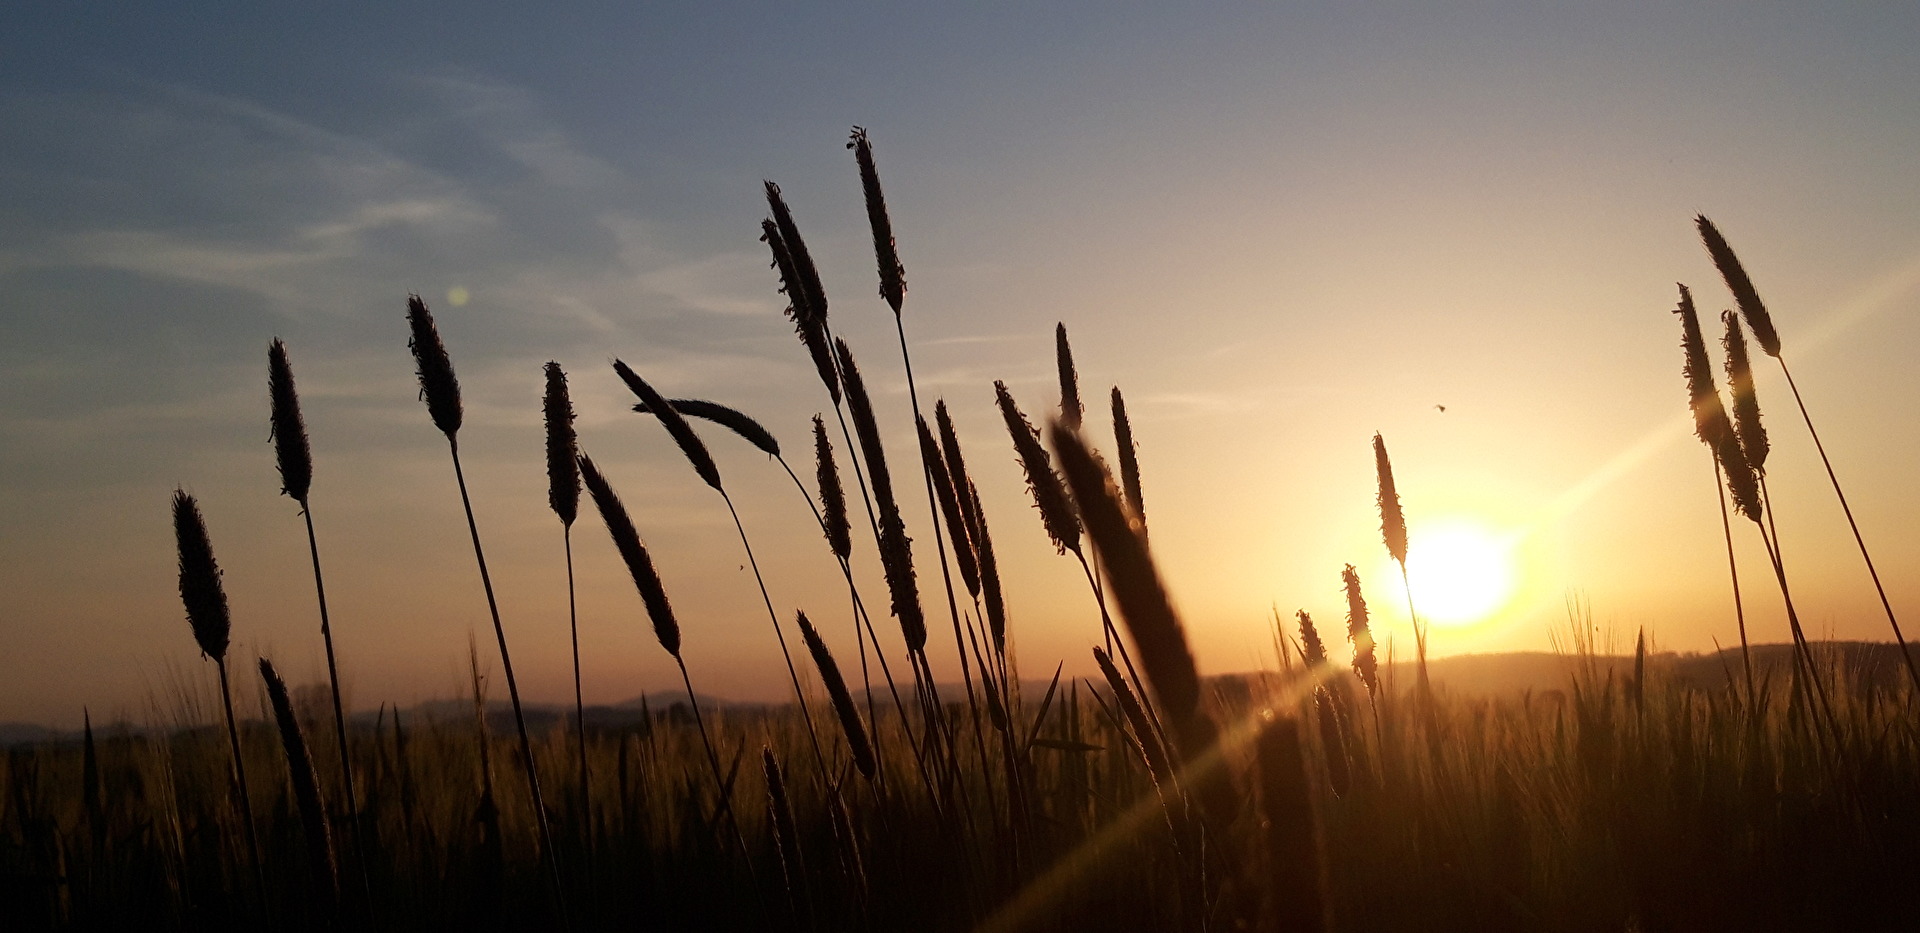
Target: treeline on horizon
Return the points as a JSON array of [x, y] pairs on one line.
[[1335, 791]]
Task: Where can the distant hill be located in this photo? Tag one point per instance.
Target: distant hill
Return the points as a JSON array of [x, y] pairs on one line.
[[1875, 663], [24, 733]]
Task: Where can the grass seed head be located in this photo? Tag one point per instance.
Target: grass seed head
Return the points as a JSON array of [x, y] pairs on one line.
[[949, 499], [676, 425], [1703, 397], [1071, 411], [626, 539], [438, 386], [810, 326], [805, 275], [1049, 494], [957, 470], [563, 448], [290, 449], [1364, 663], [1746, 401], [843, 705], [1393, 523], [893, 276], [1129, 460], [306, 787], [896, 549], [200, 589], [990, 592], [733, 419], [1134, 585], [833, 497], [1311, 647], [1742, 287]]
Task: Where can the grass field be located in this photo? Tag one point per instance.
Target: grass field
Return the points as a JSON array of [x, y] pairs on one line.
[[1335, 790]]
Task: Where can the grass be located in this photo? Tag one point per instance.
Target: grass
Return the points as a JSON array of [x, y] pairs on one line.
[[1320, 794], [1566, 812]]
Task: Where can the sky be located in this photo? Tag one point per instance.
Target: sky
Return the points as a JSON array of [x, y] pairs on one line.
[[1278, 228]]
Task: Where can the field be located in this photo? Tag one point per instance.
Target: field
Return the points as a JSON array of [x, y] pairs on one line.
[[1335, 790]]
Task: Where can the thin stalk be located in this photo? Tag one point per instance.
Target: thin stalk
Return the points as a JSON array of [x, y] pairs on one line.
[[719, 781], [806, 715], [1913, 671], [1825, 707], [579, 704], [1113, 638], [860, 614], [940, 547], [339, 712], [1733, 572], [513, 691], [240, 781], [1419, 635]]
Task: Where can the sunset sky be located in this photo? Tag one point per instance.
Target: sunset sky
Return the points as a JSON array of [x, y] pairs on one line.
[[1278, 230]]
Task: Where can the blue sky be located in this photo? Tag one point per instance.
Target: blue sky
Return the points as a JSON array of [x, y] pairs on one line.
[[1279, 230]]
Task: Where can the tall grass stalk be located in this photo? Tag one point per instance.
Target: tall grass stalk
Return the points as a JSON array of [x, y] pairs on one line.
[[1393, 531], [893, 288], [702, 462], [563, 496], [1147, 609], [666, 627], [831, 514], [440, 389], [1748, 300], [1717, 431], [206, 604], [306, 790], [294, 457]]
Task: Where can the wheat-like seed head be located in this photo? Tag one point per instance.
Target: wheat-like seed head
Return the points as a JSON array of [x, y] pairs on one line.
[[1710, 421], [990, 593], [1129, 460], [290, 449], [1134, 584], [1746, 401], [893, 276], [896, 549], [563, 448], [1742, 287], [306, 787], [833, 498], [437, 383], [811, 327], [626, 539], [1136, 716], [733, 419], [1393, 524], [676, 425], [949, 499], [1049, 495], [200, 589], [806, 276], [1703, 397], [843, 705], [957, 471], [1071, 411], [1364, 663], [1310, 644]]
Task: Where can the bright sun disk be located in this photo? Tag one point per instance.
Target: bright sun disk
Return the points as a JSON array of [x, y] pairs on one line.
[[1461, 572]]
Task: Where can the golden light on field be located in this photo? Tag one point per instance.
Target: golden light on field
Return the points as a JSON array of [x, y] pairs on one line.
[[1462, 571]]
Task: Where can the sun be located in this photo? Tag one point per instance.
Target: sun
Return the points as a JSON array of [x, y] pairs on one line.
[[1461, 571]]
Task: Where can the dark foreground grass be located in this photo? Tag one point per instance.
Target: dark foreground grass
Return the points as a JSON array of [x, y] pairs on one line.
[[1608, 806]]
